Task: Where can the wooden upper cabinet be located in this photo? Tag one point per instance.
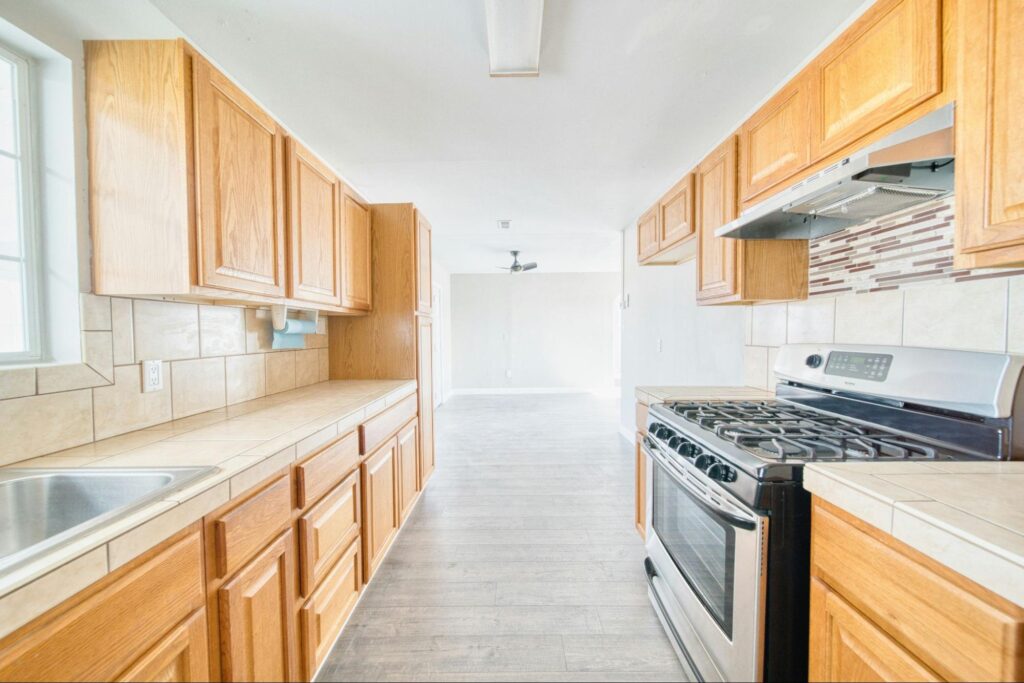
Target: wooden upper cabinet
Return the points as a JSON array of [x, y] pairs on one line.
[[675, 214], [240, 188], [716, 206], [258, 639], [423, 286], [775, 143], [647, 234], [884, 65], [356, 250], [314, 228], [990, 135]]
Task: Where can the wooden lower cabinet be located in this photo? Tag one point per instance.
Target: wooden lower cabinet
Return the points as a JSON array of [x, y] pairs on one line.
[[181, 655], [257, 618], [408, 468], [425, 391], [640, 488], [326, 530], [380, 505], [324, 614]]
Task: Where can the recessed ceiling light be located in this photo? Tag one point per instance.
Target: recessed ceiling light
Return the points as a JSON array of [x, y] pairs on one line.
[[513, 36], [504, 224]]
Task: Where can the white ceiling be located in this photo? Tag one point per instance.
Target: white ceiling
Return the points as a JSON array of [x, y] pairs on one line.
[[395, 94]]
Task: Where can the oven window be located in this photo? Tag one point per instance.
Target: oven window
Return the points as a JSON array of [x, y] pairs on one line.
[[702, 546]]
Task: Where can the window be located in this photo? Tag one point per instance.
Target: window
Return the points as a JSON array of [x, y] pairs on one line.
[[19, 269]]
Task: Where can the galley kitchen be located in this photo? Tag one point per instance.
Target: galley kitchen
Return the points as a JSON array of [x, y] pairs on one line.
[[484, 340]]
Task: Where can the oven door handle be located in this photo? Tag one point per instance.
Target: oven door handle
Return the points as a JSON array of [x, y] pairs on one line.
[[709, 505]]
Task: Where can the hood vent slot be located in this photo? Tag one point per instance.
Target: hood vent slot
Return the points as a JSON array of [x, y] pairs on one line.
[[877, 200]]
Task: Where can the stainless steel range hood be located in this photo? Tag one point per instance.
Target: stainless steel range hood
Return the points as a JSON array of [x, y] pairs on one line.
[[908, 167]]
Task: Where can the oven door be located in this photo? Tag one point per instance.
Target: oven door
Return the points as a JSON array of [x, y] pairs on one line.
[[709, 563]]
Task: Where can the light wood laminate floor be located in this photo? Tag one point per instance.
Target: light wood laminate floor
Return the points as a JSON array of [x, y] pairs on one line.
[[520, 561]]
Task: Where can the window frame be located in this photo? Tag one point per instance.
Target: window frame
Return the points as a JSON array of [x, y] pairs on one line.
[[25, 124]]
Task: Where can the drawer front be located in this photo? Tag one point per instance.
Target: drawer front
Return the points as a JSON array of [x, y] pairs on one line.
[[315, 476], [324, 614], [326, 530], [376, 430], [100, 636], [953, 626], [245, 529]]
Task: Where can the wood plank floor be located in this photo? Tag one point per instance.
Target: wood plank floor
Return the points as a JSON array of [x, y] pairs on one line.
[[520, 561]]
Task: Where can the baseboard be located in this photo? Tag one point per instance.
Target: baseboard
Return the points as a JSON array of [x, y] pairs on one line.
[[527, 390], [627, 434]]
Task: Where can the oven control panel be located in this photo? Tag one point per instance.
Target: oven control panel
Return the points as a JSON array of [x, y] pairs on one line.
[[870, 366]]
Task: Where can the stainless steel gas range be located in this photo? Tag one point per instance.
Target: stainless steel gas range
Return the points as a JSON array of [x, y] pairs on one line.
[[728, 521]]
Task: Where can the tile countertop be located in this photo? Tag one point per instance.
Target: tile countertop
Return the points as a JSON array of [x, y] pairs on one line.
[[247, 442], [967, 515], [648, 394]]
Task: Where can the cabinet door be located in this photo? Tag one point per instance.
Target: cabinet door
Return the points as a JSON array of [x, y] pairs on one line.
[[423, 293], [424, 375], [324, 614], [257, 617], [675, 217], [640, 489], [846, 646], [408, 468], [326, 531], [380, 505], [647, 235], [775, 142], [888, 62], [181, 655], [990, 134], [239, 189], [314, 226], [716, 206], [356, 257]]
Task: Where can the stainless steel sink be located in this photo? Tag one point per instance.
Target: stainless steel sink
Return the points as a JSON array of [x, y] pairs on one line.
[[42, 509]]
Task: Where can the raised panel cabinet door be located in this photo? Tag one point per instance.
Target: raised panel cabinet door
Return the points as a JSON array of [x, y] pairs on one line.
[[423, 287], [181, 655], [408, 468], [846, 646], [775, 142], [314, 228], [716, 205], [326, 531], [675, 218], [425, 392], [640, 489], [990, 134], [257, 617], [885, 64], [239, 188], [647, 235], [324, 614], [380, 505], [356, 273]]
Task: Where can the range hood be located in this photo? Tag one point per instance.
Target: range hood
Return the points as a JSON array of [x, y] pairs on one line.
[[908, 167]]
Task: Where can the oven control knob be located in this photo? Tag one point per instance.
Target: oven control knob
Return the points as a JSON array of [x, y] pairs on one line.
[[814, 360], [721, 472], [704, 461], [688, 449], [664, 432], [675, 442]]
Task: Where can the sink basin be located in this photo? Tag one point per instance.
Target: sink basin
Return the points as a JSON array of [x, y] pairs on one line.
[[43, 509]]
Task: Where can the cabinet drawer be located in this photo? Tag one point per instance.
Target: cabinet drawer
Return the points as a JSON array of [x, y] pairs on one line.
[[243, 531], [376, 430], [181, 655], [318, 474], [953, 626], [98, 637], [324, 614], [326, 530]]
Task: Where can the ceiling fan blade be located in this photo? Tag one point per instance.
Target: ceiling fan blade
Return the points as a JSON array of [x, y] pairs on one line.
[[529, 266], [502, 267]]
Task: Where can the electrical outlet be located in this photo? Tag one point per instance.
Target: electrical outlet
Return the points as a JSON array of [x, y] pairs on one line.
[[152, 376]]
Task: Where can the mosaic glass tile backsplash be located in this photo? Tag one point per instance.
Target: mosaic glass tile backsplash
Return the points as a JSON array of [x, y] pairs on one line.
[[900, 250]]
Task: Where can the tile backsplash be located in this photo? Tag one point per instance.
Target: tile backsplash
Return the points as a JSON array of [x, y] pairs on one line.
[[213, 356], [891, 282]]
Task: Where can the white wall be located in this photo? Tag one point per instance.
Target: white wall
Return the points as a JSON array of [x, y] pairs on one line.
[[700, 345], [442, 281], [552, 330]]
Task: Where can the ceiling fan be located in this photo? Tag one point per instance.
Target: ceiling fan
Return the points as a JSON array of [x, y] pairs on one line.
[[516, 266]]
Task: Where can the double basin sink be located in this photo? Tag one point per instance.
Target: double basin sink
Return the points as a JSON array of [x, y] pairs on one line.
[[42, 509]]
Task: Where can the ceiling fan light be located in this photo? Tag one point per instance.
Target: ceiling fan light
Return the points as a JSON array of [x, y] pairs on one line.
[[513, 36]]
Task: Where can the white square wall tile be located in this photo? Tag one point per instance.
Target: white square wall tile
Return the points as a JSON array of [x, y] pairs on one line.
[[36, 425], [1015, 331], [773, 354], [280, 371], [755, 366], [17, 382], [246, 377], [123, 331], [870, 318], [165, 330], [221, 330], [811, 321], [961, 315], [95, 312], [259, 330], [768, 325], [197, 386], [324, 364], [123, 407], [307, 367]]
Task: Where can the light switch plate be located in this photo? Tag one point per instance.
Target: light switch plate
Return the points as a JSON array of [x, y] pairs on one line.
[[152, 376]]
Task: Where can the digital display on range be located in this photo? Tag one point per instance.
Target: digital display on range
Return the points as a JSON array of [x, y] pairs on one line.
[[872, 366]]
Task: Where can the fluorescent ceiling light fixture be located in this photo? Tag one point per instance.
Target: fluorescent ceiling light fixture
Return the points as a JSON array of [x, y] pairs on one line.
[[513, 36]]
